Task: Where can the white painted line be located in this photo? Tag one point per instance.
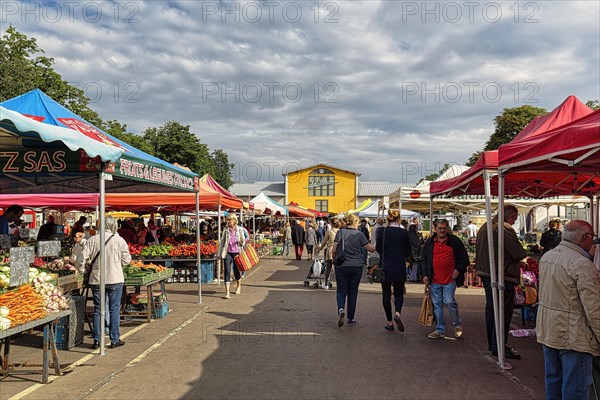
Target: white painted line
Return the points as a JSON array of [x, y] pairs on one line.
[[71, 367]]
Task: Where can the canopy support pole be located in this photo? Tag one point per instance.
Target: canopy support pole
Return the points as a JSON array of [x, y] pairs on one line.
[[492, 260], [219, 260], [199, 255], [430, 216], [101, 259], [501, 287]]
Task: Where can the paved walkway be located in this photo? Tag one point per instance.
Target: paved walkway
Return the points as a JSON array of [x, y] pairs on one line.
[[279, 340]]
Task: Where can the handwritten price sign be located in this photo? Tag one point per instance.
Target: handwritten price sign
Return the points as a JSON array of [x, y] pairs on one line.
[[20, 259]]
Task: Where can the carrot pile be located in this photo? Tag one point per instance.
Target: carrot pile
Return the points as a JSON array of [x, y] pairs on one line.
[[24, 304]]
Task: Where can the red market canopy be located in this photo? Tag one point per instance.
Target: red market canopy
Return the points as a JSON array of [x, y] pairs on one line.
[[315, 212], [214, 185], [471, 181], [563, 161], [297, 211], [62, 201], [209, 200]]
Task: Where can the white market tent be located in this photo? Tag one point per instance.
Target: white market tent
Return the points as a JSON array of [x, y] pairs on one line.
[[374, 211], [262, 202]]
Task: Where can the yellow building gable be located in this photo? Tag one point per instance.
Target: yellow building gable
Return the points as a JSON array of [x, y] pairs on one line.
[[322, 188]]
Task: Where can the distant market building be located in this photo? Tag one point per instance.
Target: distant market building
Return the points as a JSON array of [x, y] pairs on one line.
[[320, 187]]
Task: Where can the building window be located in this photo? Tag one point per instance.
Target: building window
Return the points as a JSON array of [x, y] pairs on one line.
[[322, 205], [321, 182]]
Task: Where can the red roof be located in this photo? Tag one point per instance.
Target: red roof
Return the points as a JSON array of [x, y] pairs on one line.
[[471, 181], [563, 161]]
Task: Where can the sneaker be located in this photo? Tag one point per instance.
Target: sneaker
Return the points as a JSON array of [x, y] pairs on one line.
[[458, 330], [341, 315], [436, 335], [227, 296], [96, 345], [351, 322]]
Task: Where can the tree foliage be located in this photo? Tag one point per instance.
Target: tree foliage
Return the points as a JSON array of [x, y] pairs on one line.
[[593, 104], [222, 168], [24, 67], [473, 159], [174, 143], [510, 123]]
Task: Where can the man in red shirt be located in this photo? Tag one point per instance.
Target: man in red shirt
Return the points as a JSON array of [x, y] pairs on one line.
[[445, 263]]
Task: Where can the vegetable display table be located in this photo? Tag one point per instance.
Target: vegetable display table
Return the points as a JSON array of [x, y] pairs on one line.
[[151, 306], [48, 324]]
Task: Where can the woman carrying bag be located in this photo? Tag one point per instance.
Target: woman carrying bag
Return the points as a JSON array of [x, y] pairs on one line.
[[349, 272], [233, 242], [393, 244]]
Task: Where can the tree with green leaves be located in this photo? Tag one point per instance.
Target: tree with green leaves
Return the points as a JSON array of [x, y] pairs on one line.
[[24, 67], [222, 168], [510, 123], [593, 104]]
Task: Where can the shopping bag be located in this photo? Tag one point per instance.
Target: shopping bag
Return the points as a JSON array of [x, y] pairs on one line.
[[530, 295], [519, 296], [426, 316], [242, 262], [317, 268], [252, 255]]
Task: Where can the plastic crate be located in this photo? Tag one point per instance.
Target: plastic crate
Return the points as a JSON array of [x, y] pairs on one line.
[[161, 310], [69, 330], [207, 270], [142, 279]]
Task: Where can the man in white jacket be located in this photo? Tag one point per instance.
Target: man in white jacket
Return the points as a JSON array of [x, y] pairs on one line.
[[116, 255]]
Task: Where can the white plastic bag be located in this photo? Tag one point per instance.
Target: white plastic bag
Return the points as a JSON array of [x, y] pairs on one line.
[[316, 268]]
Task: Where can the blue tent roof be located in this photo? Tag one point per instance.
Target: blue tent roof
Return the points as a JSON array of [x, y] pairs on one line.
[[124, 160]]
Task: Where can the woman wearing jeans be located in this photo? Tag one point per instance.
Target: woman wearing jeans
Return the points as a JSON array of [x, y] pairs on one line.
[[116, 254], [349, 273], [232, 243], [393, 245]]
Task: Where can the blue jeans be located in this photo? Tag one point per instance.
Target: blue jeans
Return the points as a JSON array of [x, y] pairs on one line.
[[229, 265], [440, 295], [568, 374], [347, 281], [286, 247], [113, 292]]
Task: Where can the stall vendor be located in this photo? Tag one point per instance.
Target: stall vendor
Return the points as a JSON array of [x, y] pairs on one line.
[[12, 214]]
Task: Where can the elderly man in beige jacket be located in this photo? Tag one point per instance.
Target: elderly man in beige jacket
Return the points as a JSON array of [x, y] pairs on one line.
[[568, 320]]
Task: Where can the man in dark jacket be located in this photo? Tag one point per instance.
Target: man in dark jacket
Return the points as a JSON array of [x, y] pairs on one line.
[[298, 239], [48, 229], [445, 262], [513, 254], [552, 237]]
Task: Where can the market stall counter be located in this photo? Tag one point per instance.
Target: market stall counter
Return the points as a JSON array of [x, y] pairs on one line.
[[48, 324]]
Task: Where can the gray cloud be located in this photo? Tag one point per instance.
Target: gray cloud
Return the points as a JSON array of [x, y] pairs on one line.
[[380, 88]]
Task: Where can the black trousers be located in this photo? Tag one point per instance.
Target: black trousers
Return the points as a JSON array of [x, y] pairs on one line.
[[386, 300], [509, 306], [328, 266]]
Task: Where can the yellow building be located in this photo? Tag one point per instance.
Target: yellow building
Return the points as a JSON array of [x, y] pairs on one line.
[[322, 187]]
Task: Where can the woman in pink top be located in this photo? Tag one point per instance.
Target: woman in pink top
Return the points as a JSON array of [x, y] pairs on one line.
[[233, 242]]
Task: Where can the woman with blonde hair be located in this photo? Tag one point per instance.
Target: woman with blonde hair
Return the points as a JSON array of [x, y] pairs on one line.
[[349, 272], [233, 242], [393, 246]]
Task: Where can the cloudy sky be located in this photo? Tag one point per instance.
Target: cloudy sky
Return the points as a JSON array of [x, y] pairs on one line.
[[390, 89]]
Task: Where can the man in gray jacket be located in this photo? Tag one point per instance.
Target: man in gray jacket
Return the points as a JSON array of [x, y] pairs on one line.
[[568, 319]]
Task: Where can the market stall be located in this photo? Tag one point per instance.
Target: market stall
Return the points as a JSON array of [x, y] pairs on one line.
[[66, 154], [574, 176]]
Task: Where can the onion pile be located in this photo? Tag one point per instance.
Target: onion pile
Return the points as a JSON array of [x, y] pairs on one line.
[[4, 321], [54, 300]]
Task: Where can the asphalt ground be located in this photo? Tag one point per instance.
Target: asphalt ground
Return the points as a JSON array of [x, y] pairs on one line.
[[280, 340]]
